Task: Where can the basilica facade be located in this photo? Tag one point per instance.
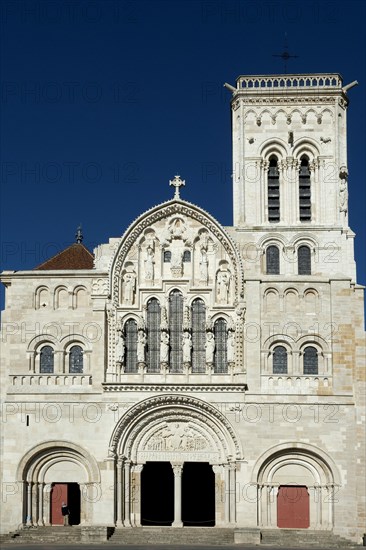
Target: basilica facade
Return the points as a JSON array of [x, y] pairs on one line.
[[190, 374]]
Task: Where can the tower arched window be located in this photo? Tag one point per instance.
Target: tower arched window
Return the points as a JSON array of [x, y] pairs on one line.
[[167, 256], [304, 190], [130, 331], [76, 360], [220, 332], [186, 256], [175, 330], [198, 336], [279, 360], [273, 190], [304, 260], [273, 260], [153, 319], [310, 360], [46, 360]]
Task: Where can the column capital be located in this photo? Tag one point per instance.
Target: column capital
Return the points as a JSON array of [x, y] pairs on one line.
[[177, 468]]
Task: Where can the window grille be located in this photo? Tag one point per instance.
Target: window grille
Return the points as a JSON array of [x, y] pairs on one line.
[[220, 332], [46, 360], [273, 191], [273, 260], [76, 360], [167, 256], [131, 346], [304, 190], [310, 360], [187, 256], [304, 260], [280, 360], [153, 322], [198, 336], [175, 330]]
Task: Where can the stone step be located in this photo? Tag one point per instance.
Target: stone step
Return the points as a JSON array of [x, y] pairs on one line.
[[169, 535], [302, 537]]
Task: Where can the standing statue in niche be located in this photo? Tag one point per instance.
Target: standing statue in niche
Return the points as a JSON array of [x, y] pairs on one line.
[[223, 282], [120, 347], [141, 344], [203, 266], [230, 347], [343, 191], [210, 347], [149, 264], [129, 280], [164, 347], [187, 347]]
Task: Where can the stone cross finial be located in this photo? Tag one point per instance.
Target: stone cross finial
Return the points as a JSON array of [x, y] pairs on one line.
[[177, 183]]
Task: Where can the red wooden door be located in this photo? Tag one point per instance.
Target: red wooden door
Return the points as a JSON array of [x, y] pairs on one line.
[[58, 496], [293, 507]]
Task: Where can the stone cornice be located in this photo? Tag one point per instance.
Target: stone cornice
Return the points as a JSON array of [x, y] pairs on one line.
[[194, 387]]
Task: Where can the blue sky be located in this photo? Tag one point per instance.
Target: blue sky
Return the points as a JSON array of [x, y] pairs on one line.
[[104, 101]]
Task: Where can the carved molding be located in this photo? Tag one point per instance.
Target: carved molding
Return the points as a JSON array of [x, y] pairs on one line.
[[231, 388]]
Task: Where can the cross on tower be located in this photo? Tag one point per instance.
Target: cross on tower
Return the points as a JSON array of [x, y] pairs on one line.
[[177, 183], [285, 55]]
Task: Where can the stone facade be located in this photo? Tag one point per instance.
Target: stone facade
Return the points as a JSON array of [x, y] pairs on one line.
[[242, 348]]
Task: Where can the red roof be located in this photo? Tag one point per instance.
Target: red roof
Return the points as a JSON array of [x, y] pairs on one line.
[[76, 256]]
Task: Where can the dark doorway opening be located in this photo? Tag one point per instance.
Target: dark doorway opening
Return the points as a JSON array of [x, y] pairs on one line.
[[198, 495], [293, 507], [70, 494], [157, 494]]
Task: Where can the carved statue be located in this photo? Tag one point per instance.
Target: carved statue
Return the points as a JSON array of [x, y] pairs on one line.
[[129, 280], [230, 347], [149, 264], [203, 266], [343, 191], [120, 347], [164, 347], [187, 347], [141, 343], [210, 347], [223, 282]]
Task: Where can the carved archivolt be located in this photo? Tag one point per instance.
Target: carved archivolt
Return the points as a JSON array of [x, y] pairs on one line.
[[174, 423], [176, 235]]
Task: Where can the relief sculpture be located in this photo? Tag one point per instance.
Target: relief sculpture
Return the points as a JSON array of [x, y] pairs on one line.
[[177, 437]]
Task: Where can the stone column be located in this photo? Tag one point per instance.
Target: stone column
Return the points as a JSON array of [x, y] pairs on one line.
[[135, 494], [40, 520], [29, 520], [127, 485], [177, 470], [232, 470], [119, 493], [227, 493], [47, 503], [218, 492]]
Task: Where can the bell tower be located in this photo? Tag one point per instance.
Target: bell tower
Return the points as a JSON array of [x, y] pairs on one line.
[[290, 151]]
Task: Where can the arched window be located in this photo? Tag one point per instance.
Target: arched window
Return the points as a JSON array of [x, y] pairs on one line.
[[304, 260], [46, 360], [167, 256], [187, 256], [175, 330], [130, 331], [76, 361], [273, 191], [310, 360], [220, 332], [279, 360], [273, 260], [198, 336], [304, 190], [153, 319]]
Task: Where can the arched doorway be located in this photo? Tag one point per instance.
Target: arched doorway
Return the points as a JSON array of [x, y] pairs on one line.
[[192, 446], [52, 473], [293, 507]]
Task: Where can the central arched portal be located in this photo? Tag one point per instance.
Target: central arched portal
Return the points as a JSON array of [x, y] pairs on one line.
[[176, 464]]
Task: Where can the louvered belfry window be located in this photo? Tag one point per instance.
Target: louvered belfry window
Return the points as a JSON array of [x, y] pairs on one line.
[[198, 336], [76, 360], [131, 346], [304, 260], [175, 330], [220, 331], [153, 321], [279, 360], [46, 360], [273, 191], [273, 260], [310, 360], [305, 190]]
